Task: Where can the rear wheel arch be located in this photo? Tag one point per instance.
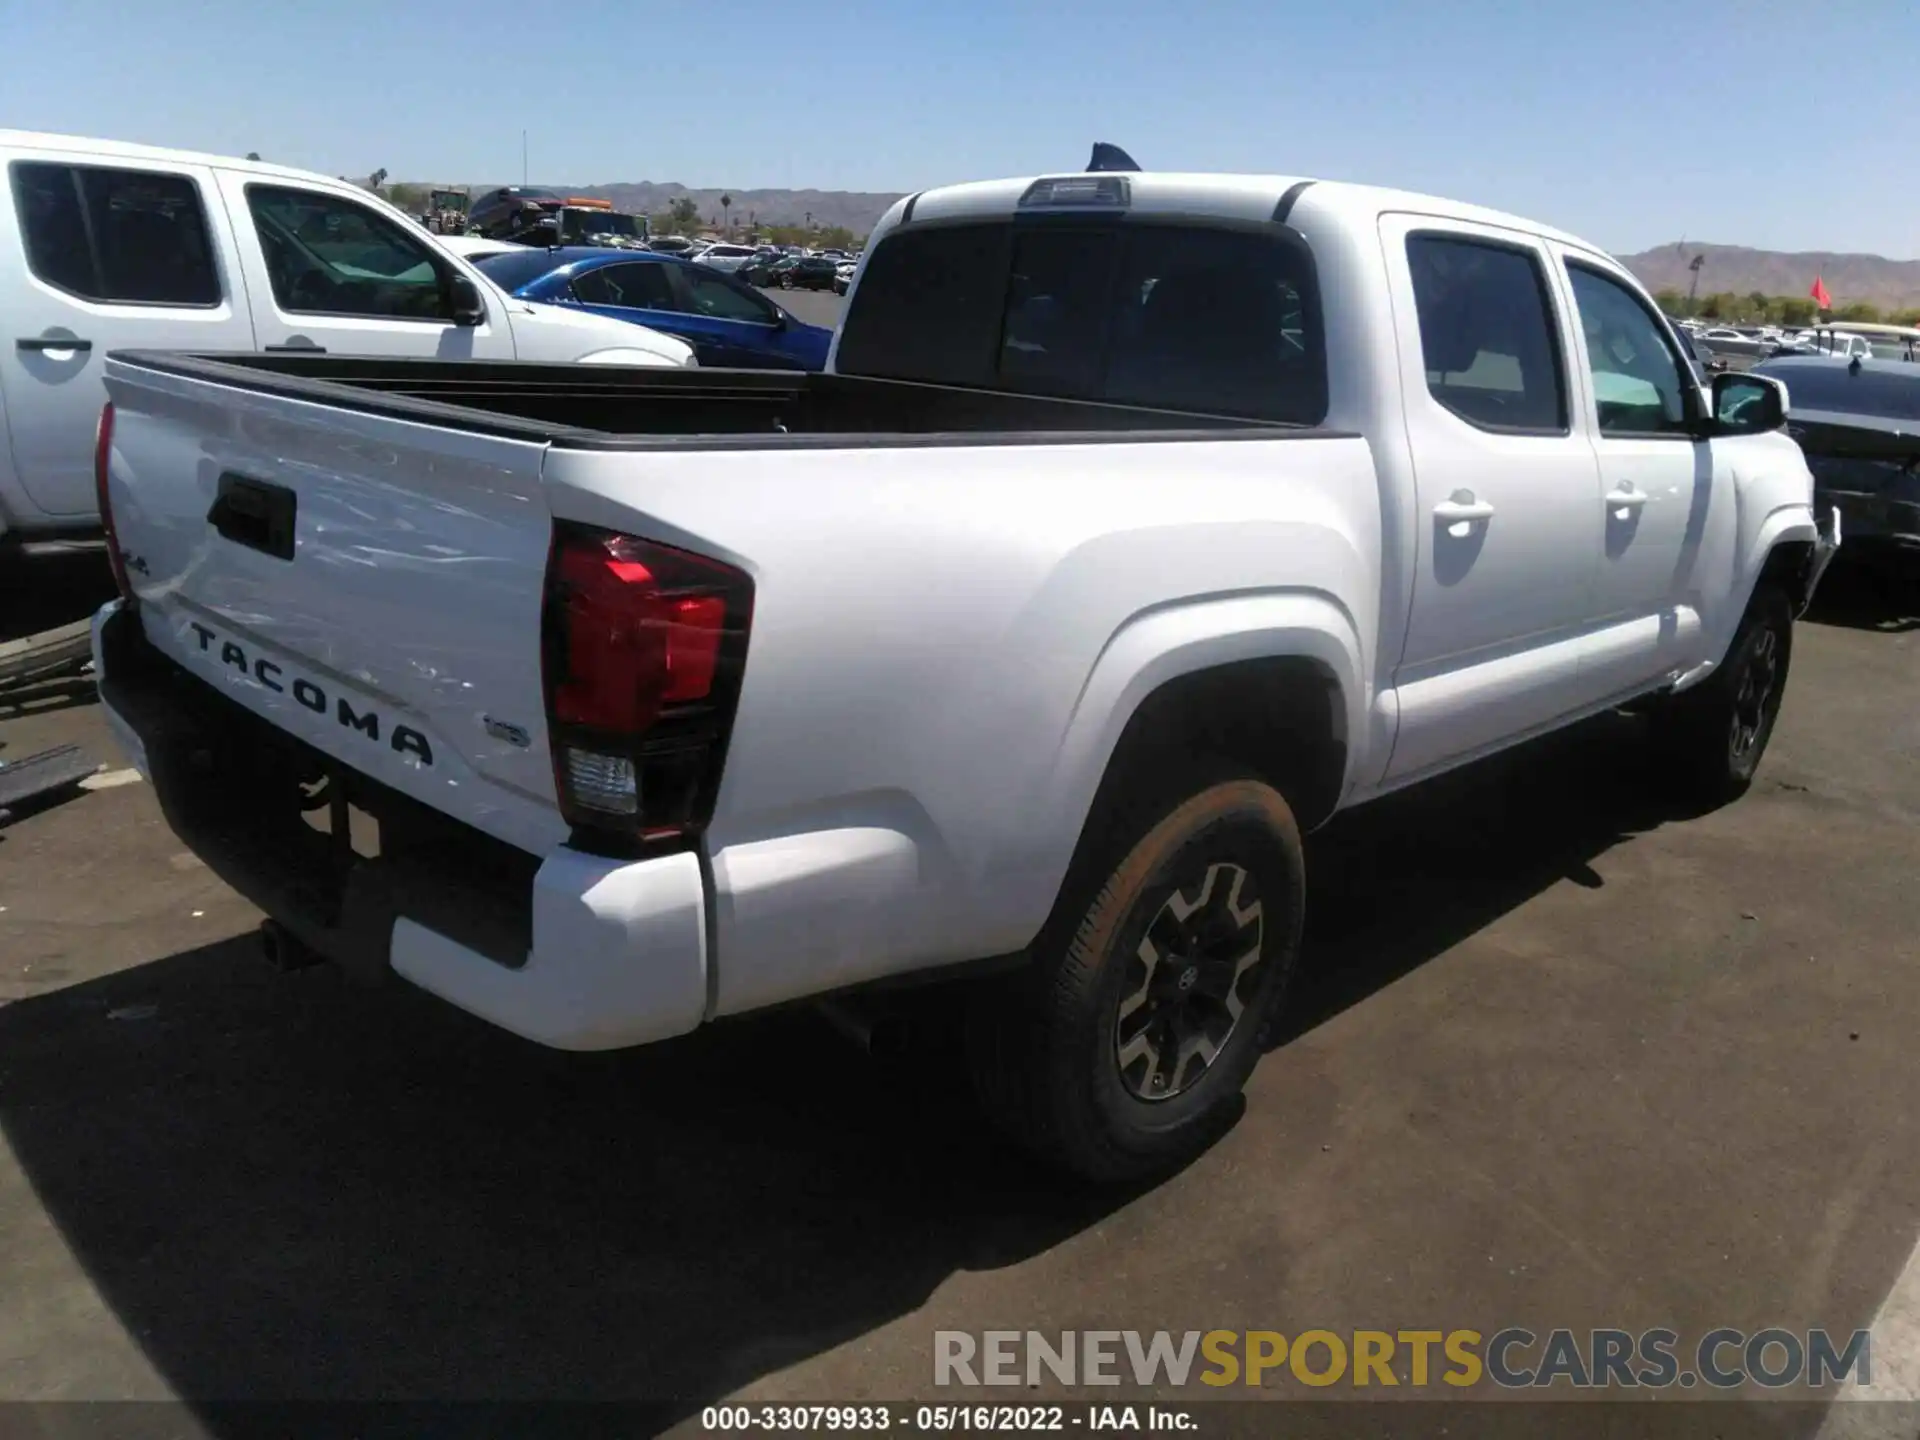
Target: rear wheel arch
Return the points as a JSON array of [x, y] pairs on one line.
[[1281, 719]]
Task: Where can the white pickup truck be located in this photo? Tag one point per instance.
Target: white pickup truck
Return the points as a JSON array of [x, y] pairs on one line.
[[108, 246], [1142, 523]]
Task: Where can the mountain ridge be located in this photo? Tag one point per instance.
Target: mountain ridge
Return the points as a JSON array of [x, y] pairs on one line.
[[1850, 277]]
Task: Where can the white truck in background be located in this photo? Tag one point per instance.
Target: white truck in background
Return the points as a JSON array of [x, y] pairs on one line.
[[1141, 523], [107, 246]]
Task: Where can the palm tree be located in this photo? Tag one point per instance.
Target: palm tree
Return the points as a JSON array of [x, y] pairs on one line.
[[726, 209]]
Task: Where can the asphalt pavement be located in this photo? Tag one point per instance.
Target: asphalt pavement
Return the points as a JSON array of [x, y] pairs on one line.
[[816, 307], [1559, 1057]]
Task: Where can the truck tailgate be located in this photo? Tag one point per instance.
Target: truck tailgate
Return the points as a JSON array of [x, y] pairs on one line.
[[369, 584]]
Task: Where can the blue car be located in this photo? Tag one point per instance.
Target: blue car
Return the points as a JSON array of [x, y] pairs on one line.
[[726, 321]]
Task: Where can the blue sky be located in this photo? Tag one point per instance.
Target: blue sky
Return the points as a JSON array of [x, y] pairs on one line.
[[1766, 122]]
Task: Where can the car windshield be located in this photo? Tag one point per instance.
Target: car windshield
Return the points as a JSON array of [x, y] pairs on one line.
[[515, 269]]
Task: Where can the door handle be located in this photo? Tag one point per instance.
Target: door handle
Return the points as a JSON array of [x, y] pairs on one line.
[[33, 343], [1460, 507], [1623, 500]]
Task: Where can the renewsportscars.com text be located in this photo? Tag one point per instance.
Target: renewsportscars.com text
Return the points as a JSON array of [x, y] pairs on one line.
[[1512, 1358]]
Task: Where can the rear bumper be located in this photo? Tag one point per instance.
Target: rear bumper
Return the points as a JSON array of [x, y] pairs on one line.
[[571, 950]]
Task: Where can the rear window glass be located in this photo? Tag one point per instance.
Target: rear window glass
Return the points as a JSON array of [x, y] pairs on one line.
[[1217, 320], [1058, 306], [1180, 317], [928, 306]]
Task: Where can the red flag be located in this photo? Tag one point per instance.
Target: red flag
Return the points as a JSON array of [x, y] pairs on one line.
[[1820, 295]]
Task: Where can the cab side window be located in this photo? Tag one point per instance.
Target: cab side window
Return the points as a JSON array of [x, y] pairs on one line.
[[328, 256], [124, 237], [1487, 334], [1638, 387], [716, 298], [642, 286]]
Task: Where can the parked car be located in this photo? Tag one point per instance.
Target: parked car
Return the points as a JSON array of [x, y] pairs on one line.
[[683, 694], [1726, 341], [670, 244], [808, 272], [1858, 422], [496, 207], [771, 274], [843, 276], [758, 270], [1703, 367], [726, 321], [106, 246], [726, 257]]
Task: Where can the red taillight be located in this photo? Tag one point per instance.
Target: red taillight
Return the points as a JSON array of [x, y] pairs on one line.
[[642, 655], [102, 460]]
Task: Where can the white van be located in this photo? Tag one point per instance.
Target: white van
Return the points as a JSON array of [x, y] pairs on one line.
[[105, 246]]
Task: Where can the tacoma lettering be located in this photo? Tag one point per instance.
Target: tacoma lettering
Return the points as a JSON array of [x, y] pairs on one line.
[[401, 739]]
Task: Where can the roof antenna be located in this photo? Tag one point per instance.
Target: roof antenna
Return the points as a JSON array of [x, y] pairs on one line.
[[1110, 157]]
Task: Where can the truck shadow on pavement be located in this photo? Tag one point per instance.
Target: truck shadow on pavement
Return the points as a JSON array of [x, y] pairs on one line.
[[287, 1186], [1397, 882], [1875, 592]]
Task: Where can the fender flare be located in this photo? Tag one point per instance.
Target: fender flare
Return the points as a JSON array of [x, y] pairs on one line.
[[1789, 524], [1163, 644]]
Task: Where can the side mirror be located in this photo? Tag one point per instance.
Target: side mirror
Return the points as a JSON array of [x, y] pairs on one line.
[[468, 308], [1747, 404]]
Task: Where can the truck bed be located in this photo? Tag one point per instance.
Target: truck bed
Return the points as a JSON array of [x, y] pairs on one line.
[[619, 407]]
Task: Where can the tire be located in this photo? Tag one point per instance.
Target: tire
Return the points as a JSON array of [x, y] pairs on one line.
[[1709, 741], [1073, 1058]]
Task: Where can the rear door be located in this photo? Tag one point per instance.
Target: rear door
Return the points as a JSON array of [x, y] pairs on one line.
[[98, 256], [328, 272], [1509, 516]]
